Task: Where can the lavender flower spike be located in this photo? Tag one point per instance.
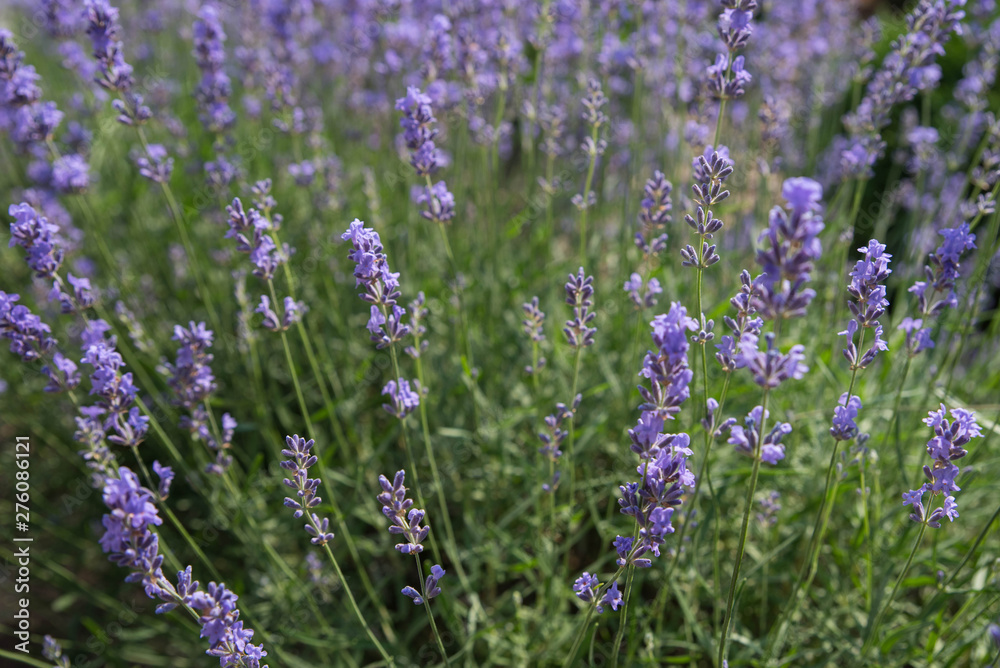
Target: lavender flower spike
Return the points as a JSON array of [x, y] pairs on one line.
[[867, 303], [579, 295], [430, 586], [300, 459], [747, 439], [945, 447], [404, 517]]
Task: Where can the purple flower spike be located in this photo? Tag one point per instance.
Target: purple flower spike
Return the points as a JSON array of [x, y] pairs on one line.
[[748, 441], [579, 295], [38, 237], [945, 447], [404, 517], [29, 337], [300, 459], [654, 215], [402, 400], [844, 426], [867, 302]]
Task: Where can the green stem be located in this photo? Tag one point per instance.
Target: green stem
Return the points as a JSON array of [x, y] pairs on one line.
[[873, 629], [586, 196], [430, 615], [748, 507], [624, 617]]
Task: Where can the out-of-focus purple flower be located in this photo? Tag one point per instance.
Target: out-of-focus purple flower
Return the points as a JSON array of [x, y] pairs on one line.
[[293, 311], [52, 651], [166, 476], [62, 373], [404, 517], [771, 367], [747, 439], [438, 203], [534, 320], [647, 299], [907, 69], [844, 426], [918, 337], [419, 131], [304, 173], [937, 292], [945, 447], [214, 89], [156, 165], [769, 509], [191, 375], [402, 400], [81, 297], [579, 295], [710, 172], [654, 214], [790, 245], [70, 173], [29, 337], [249, 227]]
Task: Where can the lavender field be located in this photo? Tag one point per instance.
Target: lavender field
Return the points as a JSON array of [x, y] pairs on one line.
[[499, 333]]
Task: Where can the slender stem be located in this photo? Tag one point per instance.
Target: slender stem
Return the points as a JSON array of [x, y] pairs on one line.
[[430, 615], [894, 419], [866, 525], [353, 602], [624, 617], [748, 506], [586, 196], [873, 630], [580, 636], [571, 446]]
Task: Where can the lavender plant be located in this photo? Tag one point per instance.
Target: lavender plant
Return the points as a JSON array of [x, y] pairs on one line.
[[175, 300]]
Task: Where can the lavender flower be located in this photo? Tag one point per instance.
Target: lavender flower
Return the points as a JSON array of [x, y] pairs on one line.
[[747, 438], [430, 586], [52, 651], [633, 286], [587, 588], [790, 246], [745, 328], [250, 229], [579, 295], [29, 337], [191, 376], [654, 214], [553, 437], [38, 237], [300, 459], [710, 172], [918, 337], [419, 131], [81, 298], [418, 312], [844, 426], [404, 517], [63, 374], [166, 476], [666, 366], [128, 539], [381, 284], [214, 89], [727, 78], [70, 173], [945, 447], [113, 73], [156, 165], [937, 293], [769, 509], [771, 367], [402, 400], [867, 303], [534, 320], [902, 75], [293, 311]]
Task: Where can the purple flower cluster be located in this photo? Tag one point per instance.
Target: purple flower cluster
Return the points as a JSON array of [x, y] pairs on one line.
[[419, 134], [418, 313], [381, 285], [666, 367], [654, 214], [642, 299], [710, 172], [745, 327], [300, 459], [945, 447], [52, 651], [937, 293], [250, 229], [534, 320], [747, 440], [587, 589], [113, 73], [215, 88], [191, 375], [156, 164], [769, 509], [844, 415], [771, 367], [430, 586], [402, 400], [867, 303], [790, 245], [130, 542], [293, 312], [907, 69], [400, 511], [115, 391], [553, 437], [726, 78], [38, 237], [579, 295], [29, 337]]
